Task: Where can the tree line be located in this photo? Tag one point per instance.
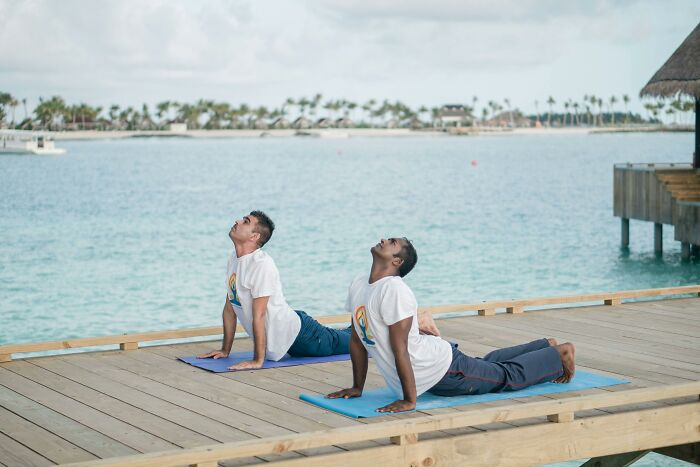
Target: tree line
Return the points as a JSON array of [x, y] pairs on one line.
[[55, 114]]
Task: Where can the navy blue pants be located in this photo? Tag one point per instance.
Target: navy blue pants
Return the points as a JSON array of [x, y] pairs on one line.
[[506, 369], [317, 340]]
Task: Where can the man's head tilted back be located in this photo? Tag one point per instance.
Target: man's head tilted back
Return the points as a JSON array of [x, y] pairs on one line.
[[264, 226], [408, 255]]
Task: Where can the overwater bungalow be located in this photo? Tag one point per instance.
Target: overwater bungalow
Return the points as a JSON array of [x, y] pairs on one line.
[[667, 193]]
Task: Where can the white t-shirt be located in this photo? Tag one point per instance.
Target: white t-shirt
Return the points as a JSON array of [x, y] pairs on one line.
[[374, 307], [252, 276]]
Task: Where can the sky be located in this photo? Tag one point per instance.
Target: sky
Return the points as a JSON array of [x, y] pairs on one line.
[[128, 52]]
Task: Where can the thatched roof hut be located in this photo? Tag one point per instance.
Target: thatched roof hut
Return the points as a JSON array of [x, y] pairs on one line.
[[680, 73]]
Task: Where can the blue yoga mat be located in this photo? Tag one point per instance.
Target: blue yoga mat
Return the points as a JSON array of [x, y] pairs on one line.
[[221, 365], [365, 406]]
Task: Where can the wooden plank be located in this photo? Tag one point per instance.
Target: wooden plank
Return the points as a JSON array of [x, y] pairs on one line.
[[14, 454], [145, 420], [43, 442], [597, 358], [649, 335], [178, 414], [76, 433], [601, 433], [626, 343], [654, 354], [126, 434]]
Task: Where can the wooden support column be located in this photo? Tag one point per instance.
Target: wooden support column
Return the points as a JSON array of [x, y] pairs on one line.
[[514, 309], [7, 357], [695, 250], [129, 346], [625, 230], [612, 301], [487, 312], [658, 238], [696, 154], [615, 460], [685, 251]]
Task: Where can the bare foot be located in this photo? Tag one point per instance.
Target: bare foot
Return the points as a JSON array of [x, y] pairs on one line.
[[552, 342], [426, 323], [567, 352]]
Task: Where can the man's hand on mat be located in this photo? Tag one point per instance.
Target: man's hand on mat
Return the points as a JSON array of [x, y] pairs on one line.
[[345, 393], [426, 324], [214, 354], [398, 406], [247, 365]]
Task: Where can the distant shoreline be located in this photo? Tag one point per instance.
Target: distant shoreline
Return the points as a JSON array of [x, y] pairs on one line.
[[340, 133]]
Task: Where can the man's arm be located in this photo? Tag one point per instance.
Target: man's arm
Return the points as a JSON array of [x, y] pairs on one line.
[[398, 337], [228, 316], [358, 355], [259, 336]]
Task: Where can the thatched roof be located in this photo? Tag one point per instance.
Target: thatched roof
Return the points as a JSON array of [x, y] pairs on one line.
[[680, 73]]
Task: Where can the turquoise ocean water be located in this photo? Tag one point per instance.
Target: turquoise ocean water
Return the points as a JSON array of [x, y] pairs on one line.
[[131, 235]]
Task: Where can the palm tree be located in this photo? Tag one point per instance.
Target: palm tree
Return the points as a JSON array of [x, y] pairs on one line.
[[288, 103], [369, 108], [613, 100], [162, 110], [567, 104], [474, 100], [626, 101], [550, 103], [507, 102], [49, 112], [537, 113]]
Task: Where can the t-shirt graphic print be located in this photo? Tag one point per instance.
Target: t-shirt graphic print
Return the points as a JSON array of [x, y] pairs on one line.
[[232, 293], [363, 323]]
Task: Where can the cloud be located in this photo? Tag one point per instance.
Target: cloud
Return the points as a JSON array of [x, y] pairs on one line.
[[262, 52]]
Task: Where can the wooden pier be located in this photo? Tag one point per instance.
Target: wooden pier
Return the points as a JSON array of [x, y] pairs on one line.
[[663, 194], [141, 407]]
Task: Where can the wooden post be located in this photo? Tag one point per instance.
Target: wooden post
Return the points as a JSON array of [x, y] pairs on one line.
[[565, 417], [695, 250], [411, 438], [129, 346], [487, 312], [514, 309], [612, 301], [7, 357], [685, 251], [658, 238], [696, 154], [625, 224]]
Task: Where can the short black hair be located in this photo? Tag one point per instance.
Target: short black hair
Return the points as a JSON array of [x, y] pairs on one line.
[[408, 255], [265, 227]]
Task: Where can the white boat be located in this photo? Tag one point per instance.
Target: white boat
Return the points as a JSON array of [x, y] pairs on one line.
[[28, 142]]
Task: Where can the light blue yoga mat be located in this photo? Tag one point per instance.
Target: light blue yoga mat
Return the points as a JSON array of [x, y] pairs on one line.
[[365, 406], [220, 365]]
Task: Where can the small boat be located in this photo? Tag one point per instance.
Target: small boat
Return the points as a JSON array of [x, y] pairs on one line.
[[28, 142]]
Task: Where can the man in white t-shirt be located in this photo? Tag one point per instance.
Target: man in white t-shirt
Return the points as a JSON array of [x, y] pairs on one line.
[[384, 315], [254, 297]]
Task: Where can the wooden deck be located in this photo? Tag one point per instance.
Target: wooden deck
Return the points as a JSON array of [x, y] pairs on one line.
[[99, 405]]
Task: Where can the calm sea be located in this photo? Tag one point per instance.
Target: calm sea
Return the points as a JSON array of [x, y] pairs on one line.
[[131, 235]]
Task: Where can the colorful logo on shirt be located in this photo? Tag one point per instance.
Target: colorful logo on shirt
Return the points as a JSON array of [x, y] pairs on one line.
[[361, 318], [232, 293]]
